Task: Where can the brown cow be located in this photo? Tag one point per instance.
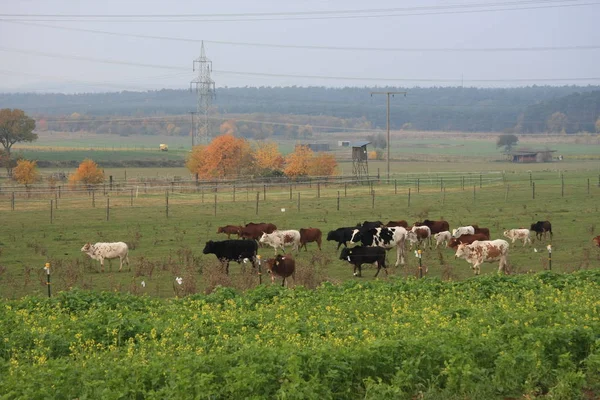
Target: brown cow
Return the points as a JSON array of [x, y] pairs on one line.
[[230, 230], [483, 231], [310, 235], [283, 266], [597, 240], [255, 231], [401, 223], [434, 226], [467, 239]]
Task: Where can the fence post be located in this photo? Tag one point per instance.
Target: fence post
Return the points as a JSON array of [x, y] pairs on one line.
[[145, 188], [409, 197], [107, 208], [462, 182], [338, 201], [167, 203], [444, 196], [441, 184], [372, 199], [346, 187], [473, 194], [12, 201], [418, 185], [533, 190], [93, 198], [264, 192], [257, 197], [131, 197], [290, 191], [506, 195], [51, 211], [298, 201], [530, 179], [562, 185], [56, 200], [550, 257], [110, 182], [318, 190], [59, 191], [215, 205], [202, 193], [395, 187]]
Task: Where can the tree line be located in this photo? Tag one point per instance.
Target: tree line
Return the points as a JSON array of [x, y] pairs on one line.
[[512, 110]]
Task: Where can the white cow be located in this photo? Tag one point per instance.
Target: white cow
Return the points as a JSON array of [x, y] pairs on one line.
[[518, 234], [442, 238], [388, 238], [278, 239], [463, 230], [482, 251], [101, 251]]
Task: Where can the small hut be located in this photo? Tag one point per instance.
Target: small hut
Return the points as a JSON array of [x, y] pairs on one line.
[[530, 156]]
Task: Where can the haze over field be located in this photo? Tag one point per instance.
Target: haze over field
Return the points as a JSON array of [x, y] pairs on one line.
[[67, 46]]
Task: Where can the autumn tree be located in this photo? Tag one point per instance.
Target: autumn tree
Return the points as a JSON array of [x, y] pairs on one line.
[[15, 127], [26, 172], [298, 163], [269, 160], [87, 173], [557, 122], [323, 164], [228, 127], [225, 156]]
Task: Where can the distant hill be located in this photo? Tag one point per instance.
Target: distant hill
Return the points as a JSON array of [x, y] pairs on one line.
[[443, 108]]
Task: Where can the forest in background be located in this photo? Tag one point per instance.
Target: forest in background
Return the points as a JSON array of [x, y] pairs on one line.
[[294, 112]]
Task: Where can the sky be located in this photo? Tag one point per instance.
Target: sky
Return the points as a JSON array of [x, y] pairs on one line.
[[104, 46]]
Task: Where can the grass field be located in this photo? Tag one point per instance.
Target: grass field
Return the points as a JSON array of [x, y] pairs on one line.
[[163, 248]]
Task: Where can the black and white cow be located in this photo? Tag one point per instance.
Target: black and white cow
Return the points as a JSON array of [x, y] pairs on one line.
[[341, 235], [388, 238], [232, 250], [360, 255]]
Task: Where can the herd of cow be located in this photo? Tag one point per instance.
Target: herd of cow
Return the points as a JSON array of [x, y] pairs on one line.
[[370, 240]]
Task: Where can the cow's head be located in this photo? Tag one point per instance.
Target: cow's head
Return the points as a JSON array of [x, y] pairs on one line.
[[345, 254], [209, 248], [220, 229], [412, 238], [533, 226], [507, 233], [264, 237], [462, 251], [596, 240], [87, 247], [331, 235]]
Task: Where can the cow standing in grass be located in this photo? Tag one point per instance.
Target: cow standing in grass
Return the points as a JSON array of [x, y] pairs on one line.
[[229, 230], [308, 235], [232, 250], [101, 251], [388, 238], [542, 228], [518, 234], [279, 239], [360, 255], [283, 266], [479, 252]]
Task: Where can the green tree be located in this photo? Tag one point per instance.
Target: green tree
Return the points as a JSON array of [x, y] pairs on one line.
[[507, 141], [15, 127]]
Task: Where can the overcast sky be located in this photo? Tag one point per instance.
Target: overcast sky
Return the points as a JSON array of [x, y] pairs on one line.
[[36, 55]]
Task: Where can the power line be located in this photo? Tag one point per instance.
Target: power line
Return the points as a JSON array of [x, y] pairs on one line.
[[94, 18], [290, 13], [327, 77], [312, 47]]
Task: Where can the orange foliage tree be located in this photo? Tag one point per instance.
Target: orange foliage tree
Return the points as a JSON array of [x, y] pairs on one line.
[[25, 172], [225, 156], [228, 127], [323, 165], [87, 173], [268, 158], [298, 162]]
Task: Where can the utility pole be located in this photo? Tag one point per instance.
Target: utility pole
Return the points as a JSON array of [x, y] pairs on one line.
[[388, 124], [193, 131], [205, 89]]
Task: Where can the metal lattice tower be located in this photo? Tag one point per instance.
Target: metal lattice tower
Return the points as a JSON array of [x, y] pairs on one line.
[[205, 89]]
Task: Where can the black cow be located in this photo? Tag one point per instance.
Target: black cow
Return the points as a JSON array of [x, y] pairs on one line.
[[360, 255], [542, 228], [232, 250], [341, 236], [365, 226]]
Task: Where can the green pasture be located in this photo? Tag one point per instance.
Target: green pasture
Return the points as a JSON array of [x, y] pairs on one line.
[[163, 248]]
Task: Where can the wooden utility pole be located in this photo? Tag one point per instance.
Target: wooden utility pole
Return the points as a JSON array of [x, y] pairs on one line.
[[388, 124]]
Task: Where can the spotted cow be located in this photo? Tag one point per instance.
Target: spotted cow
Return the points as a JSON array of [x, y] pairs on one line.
[[479, 252]]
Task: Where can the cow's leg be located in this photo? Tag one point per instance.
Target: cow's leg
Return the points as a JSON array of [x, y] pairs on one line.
[[319, 244], [283, 282], [102, 264], [120, 263]]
